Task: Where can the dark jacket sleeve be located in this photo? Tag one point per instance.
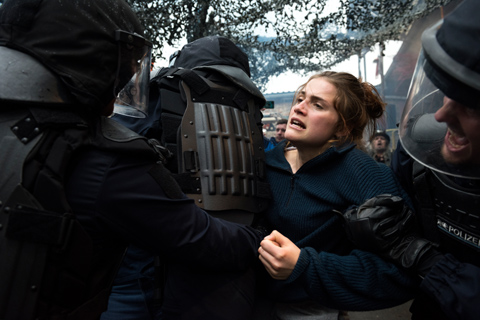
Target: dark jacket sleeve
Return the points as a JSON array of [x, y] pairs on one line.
[[359, 281], [116, 197], [455, 286]]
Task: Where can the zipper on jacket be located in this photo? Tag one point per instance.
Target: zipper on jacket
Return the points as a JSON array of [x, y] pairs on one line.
[[292, 184]]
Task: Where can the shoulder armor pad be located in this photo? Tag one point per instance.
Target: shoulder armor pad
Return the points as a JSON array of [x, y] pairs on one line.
[[20, 73], [237, 76], [116, 132]]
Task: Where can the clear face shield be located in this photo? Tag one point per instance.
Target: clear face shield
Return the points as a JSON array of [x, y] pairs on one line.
[[422, 136], [132, 91]]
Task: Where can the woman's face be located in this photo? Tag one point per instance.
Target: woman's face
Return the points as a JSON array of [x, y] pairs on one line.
[[313, 119], [462, 141]]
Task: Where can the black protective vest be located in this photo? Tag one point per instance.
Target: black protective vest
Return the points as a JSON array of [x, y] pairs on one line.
[[47, 263], [450, 214], [209, 119]]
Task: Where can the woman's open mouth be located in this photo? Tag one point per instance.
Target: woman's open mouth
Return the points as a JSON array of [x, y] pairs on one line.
[[297, 124]]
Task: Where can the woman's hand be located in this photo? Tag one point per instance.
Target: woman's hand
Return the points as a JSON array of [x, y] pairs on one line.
[[279, 255]]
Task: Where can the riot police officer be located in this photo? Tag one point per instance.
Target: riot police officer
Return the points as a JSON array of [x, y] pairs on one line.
[[438, 162], [218, 64], [76, 188]]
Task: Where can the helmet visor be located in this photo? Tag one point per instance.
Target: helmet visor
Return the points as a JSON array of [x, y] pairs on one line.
[[421, 134], [134, 59]]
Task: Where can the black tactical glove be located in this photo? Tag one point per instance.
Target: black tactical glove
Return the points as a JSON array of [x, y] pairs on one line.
[[414, 253], [378, 223], [386, 226]]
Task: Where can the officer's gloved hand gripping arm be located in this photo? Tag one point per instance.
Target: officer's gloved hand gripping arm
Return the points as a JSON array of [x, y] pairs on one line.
[[386, 226]]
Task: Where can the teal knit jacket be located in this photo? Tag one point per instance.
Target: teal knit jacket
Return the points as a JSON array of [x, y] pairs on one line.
[[330, 270]]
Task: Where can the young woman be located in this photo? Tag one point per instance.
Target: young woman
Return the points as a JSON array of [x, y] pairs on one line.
[[314, 270]]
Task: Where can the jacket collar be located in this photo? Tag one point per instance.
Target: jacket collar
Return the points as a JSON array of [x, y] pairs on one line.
[[276, 156]]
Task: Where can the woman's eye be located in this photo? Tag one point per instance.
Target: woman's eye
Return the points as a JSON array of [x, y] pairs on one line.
[[318, 106]]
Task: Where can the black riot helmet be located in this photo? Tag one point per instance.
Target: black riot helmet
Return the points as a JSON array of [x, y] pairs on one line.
[[218, 54], [208, 51], [448, 69], [84, 50]]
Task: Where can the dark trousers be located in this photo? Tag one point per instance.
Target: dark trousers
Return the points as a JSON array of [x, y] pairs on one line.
[[132, 300], [200, 295]]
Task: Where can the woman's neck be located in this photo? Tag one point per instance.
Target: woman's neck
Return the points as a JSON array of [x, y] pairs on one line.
[[299, 156]]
